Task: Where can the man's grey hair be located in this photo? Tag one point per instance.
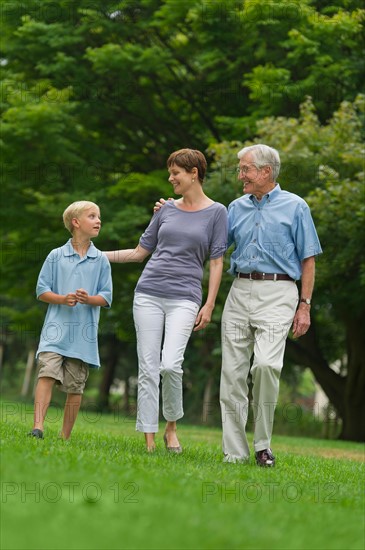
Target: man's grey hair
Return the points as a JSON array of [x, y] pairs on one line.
[[263, 155]]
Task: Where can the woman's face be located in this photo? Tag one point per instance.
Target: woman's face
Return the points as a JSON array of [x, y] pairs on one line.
[[180, 179]]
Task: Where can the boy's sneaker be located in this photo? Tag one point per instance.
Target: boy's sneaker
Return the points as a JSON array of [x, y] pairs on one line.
[[36, 433]]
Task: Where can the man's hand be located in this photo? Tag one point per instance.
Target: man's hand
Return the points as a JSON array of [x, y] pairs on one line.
[[301, 321], [160, 203]]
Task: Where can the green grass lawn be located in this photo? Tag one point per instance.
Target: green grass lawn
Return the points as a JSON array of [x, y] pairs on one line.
[[101, 490]]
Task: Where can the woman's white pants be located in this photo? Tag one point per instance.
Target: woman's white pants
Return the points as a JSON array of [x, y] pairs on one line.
[[169, 321]]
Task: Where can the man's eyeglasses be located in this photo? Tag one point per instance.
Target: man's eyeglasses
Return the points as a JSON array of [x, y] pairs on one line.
[[246, 168]]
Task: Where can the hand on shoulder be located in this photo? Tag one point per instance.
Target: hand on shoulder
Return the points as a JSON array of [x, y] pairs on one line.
[[159, 204]]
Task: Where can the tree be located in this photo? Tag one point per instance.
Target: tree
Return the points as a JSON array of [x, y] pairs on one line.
[[97, 93]]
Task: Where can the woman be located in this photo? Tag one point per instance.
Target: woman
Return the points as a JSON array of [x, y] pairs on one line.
[[168, 295]]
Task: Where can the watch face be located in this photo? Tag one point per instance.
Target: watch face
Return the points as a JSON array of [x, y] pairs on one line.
[[306, 301]]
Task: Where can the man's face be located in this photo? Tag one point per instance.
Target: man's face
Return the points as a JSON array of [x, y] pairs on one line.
[[253, 177]]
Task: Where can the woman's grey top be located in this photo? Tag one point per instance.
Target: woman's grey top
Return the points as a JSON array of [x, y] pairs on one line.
[[181, 241]]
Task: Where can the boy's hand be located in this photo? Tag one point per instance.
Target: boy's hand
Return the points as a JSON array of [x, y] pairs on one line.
[[70, 299], [82, 296]]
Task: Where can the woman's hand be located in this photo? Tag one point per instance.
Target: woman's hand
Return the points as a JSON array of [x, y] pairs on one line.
[[204, 317]]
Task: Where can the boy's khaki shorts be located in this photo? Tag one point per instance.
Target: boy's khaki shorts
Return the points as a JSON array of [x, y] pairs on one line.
[[70, 374]]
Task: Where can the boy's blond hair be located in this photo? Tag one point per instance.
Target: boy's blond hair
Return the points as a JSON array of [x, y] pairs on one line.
[[74, 210]]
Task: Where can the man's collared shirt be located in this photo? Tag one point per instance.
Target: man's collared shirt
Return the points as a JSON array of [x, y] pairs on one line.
[[72, 331], [273, 235]]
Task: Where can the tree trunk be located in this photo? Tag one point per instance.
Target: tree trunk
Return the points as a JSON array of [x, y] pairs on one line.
[[108, 373], [1, 360], [126, 407], [346, 393], [307, 353], [353, 426], [211, 366], [207, 400], [28, 373]]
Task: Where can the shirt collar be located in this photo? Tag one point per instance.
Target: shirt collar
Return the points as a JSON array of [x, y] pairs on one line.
[[269, 196], [70, 251], [274, 191]]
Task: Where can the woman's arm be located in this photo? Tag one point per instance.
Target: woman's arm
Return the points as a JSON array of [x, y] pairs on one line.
[[137, 254], [215, 275]]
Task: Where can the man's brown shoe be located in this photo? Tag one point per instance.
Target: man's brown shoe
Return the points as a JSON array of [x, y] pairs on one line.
[[265, 458]]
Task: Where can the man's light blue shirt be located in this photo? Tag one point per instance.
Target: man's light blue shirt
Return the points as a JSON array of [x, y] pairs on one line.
[[73, 331], [273, 235]]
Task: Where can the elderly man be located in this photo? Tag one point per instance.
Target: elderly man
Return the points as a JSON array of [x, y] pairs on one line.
[[275, 245]]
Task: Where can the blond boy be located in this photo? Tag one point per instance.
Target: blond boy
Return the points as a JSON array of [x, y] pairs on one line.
[[75, 281]]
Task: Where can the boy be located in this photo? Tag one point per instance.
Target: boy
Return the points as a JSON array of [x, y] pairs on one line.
[[75, 281]]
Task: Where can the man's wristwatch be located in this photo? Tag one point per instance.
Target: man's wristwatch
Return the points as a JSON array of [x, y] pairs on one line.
[[306, 301]]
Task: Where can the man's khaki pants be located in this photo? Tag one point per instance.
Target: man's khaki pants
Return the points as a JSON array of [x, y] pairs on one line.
[[256, 320]]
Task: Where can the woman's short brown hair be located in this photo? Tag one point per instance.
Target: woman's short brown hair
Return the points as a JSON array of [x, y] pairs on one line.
[[189, 159]]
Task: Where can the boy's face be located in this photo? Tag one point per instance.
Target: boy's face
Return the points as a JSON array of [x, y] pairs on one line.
[[88, 224]]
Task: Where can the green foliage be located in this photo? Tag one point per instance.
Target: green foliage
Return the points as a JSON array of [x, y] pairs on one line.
[[95, 94], [324, 164], [335, 192]]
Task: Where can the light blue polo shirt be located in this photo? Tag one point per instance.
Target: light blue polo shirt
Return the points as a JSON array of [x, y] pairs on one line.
[[273, 235], [73, 331]]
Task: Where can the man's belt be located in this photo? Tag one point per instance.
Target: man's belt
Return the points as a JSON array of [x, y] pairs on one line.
[[256, 276]]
